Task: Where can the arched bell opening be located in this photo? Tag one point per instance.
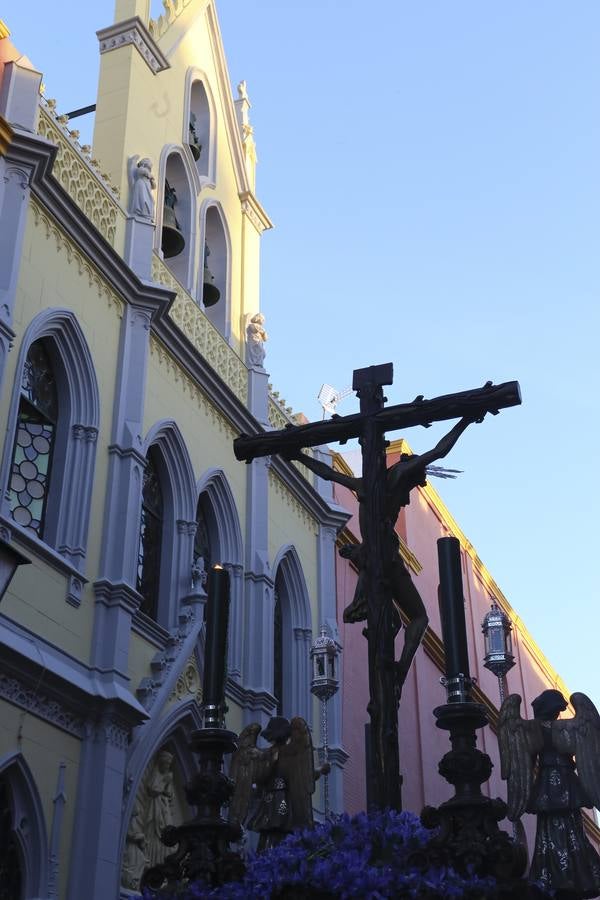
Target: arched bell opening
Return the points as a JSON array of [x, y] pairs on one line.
[[198, 128], [215, 276], [177, 234]]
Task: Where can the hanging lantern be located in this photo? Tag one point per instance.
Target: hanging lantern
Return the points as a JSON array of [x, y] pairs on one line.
[[324, 656], [497, 635], [172, 239], [210, 292]]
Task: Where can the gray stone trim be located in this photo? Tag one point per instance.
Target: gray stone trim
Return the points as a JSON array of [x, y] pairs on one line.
[[150, 630], [32, 545], [39, 154], [337, 756], [29, 824], [40, 705], [250, 699], [58, 801], [44, 668], [133, 31]]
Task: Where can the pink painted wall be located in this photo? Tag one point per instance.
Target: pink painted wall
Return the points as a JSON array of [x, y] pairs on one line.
[[422, 744]]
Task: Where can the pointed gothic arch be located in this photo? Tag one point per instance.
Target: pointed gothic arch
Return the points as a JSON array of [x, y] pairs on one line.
[[172, 732], [199, 100], [215, 235], [292, 635], [176, 166], [28, 825], [177, 485], [217, 505], [69, 498]]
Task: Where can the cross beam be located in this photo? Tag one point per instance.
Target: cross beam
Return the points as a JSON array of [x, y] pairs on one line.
[[379, 550], [338, 429]]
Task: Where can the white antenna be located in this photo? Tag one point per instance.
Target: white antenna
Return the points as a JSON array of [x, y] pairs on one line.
[[329, 398]]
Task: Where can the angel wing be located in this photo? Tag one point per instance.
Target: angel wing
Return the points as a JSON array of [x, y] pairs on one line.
[[301, 772], [131, 167], [519, 741], [244, 763], [580, 737]]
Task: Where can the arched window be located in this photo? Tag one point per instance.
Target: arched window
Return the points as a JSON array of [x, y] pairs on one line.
[[278, 649], [11, 868], [203, 541], [199, 135], [292, 637], [178, 231], [151, 533], [166, 538], [215, 271], [23, 837], [48, 458], [34, 441]]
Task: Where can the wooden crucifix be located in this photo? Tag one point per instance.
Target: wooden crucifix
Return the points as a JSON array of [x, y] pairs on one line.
[[381, 493]]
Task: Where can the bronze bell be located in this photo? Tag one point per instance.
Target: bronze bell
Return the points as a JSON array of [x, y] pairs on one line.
[[194, 144], [210, 292], [172, 239]]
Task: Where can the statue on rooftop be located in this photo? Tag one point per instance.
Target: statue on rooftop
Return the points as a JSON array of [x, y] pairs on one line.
[[141, 184], [255, 340]]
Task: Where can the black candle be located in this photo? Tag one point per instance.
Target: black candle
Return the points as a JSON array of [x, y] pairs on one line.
[[215, 647], [452, 607]]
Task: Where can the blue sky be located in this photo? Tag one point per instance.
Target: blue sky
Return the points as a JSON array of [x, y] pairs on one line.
[[432, 172]]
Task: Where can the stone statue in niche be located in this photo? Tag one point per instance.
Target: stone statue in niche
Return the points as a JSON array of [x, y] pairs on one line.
[[141, 185], [134, 857], [255, 340], [159, 794]]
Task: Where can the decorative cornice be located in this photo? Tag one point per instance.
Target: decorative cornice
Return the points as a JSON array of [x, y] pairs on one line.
[[38, 155], [247, 698], [133, 31], [41, 705], [110, 593], [255, 212]]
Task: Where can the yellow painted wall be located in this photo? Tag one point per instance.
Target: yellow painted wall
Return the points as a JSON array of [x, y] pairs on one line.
[[44, 747], [53, 274]]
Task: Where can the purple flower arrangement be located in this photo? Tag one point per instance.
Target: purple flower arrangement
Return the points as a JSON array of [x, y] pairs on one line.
[[368, 856]]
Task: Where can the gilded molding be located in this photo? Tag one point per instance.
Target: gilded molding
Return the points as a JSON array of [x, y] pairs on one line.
[[133, 31], [290, 500], [64, 244]]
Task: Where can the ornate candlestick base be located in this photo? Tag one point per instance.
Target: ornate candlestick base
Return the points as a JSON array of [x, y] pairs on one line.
[[202, 843], [469, 839]]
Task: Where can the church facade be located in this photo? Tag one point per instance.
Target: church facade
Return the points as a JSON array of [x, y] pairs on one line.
[[131, 355]]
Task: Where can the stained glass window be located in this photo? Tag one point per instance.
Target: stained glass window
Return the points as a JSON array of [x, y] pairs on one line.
[[36, 430], [151, 526], [278, 652], [11, 876]]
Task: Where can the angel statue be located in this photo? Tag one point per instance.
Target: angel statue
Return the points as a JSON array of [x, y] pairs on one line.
[[552, 769], [284, 775]]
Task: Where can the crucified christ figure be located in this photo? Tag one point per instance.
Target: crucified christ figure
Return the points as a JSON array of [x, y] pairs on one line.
[[402, 477]]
